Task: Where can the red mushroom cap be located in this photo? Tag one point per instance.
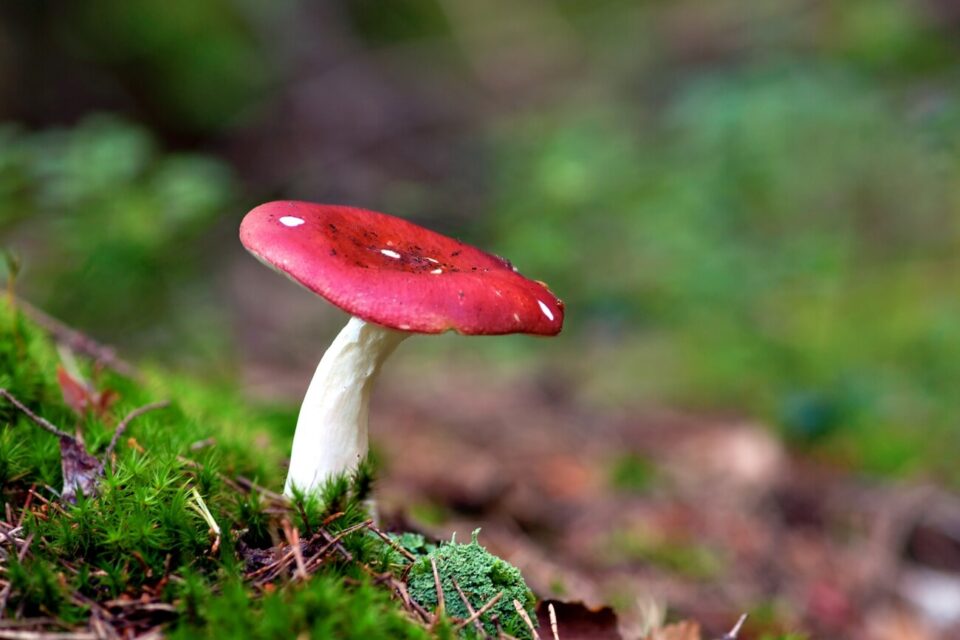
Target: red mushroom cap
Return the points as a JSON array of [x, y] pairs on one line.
[[397, 274]]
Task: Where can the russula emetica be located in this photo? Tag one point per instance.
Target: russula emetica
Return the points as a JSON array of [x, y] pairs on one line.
[[394, 278]]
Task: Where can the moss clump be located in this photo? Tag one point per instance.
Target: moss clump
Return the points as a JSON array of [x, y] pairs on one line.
[[481, 576]]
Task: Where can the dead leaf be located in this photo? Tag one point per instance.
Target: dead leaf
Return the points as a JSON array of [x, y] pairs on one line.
[[81, 471], [75, 393], [81, 397], [576, 621], [103, 400]]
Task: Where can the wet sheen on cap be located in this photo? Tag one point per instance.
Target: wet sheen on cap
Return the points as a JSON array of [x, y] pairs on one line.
[[397, 274]]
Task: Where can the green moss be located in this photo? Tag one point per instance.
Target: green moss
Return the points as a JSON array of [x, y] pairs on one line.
[[322, 608], [481, 576], [144, 535]]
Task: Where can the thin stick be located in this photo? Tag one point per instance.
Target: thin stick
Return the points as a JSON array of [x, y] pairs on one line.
[[27, 622], [335, 541], [26, 505], [9, 535], [12, 634], [103, 629], [553, 621], [267, 568], [466, 603], [733, 633], [482, 610], [238, 484], [393, 543], [130, 417], [441, 604], [41, 422], [526, 618], [78, 341], [284, 560], [409, 602], [250, 485], [5, 594], [293, 537]]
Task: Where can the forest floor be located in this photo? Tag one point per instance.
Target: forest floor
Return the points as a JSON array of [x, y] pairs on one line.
[[665, 516], [666, 513]]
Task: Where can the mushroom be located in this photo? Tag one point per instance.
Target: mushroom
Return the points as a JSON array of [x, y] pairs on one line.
[[394, 278]]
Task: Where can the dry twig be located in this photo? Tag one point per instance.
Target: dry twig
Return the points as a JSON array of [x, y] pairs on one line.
[[526, 619], [293, 539], [553, 621], [130, 417], [240, 485], [393, 543], [467, 604], [334, 541], [12, 634], [735, 631], [78, 341], [482, 610], [441, 604], [43, 423]]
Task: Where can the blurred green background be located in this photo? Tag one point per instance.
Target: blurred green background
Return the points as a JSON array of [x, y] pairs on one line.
[[747, 206]]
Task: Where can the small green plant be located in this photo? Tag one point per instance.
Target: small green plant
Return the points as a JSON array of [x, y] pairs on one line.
[[687, 558], [632, 473], [480, 576]]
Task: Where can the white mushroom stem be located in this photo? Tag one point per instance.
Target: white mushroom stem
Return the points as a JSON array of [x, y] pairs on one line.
[[331, 435]]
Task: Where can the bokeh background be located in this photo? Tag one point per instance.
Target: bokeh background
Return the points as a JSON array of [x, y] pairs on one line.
[[750, 209]]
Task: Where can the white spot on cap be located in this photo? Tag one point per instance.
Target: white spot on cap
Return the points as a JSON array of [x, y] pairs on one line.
[[498, 292], [390, 253], [433, 260], [546, 310], [516, 317], [437, 272], [404, 327], [291, 221]]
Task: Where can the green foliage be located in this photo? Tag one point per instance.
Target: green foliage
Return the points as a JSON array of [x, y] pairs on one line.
[[686, 558], [203, 59], [111, 225], [777, 237], [397, 22], [632, 473], [415, 543], [481, 576]]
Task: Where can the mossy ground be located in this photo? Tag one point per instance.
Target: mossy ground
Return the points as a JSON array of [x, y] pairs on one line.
[[141, 553]]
